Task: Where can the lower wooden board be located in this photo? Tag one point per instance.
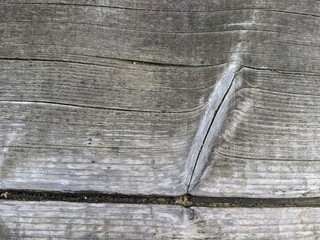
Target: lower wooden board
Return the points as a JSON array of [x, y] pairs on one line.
[[63, 220]]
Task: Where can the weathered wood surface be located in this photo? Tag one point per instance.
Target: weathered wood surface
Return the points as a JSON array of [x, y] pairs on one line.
[[217, 98], [103, 95], [61, 220], [93, 99], [269, 143], [264, 140]]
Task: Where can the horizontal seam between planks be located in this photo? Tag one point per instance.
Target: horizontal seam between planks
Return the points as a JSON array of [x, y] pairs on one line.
[[181, 200]]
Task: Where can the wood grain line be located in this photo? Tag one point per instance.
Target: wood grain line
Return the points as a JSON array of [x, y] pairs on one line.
[[95, 107], [131, 61], [159, 10]]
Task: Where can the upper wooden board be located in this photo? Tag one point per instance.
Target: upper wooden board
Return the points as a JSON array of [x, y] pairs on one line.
[[120, 96], [98, 98]]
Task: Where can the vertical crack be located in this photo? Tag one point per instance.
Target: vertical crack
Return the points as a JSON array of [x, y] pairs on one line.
[[207, 142]]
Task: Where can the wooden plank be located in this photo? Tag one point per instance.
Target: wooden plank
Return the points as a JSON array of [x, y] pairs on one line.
[[60, 220], [93, 99], [103, 95], [72, 148], [269, 144], [92, 34], [257, 223], [86, 116], [118, 86], [263, 140]]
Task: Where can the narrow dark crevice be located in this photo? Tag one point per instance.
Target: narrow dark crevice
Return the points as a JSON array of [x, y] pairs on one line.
[[199, 152], [243, 202], [281, 71], [83, 196], [162, 111], [210, 126], [184, 200], [120, 60], [90, 5]]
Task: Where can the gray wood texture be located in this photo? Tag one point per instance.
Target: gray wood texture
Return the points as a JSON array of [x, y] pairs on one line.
[[61, 220], [269, 143], [118, 96], [210, 97], [264, 140], [92, 99]]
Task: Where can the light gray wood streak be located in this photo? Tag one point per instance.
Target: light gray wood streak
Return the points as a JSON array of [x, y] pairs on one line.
[[60, 220]]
